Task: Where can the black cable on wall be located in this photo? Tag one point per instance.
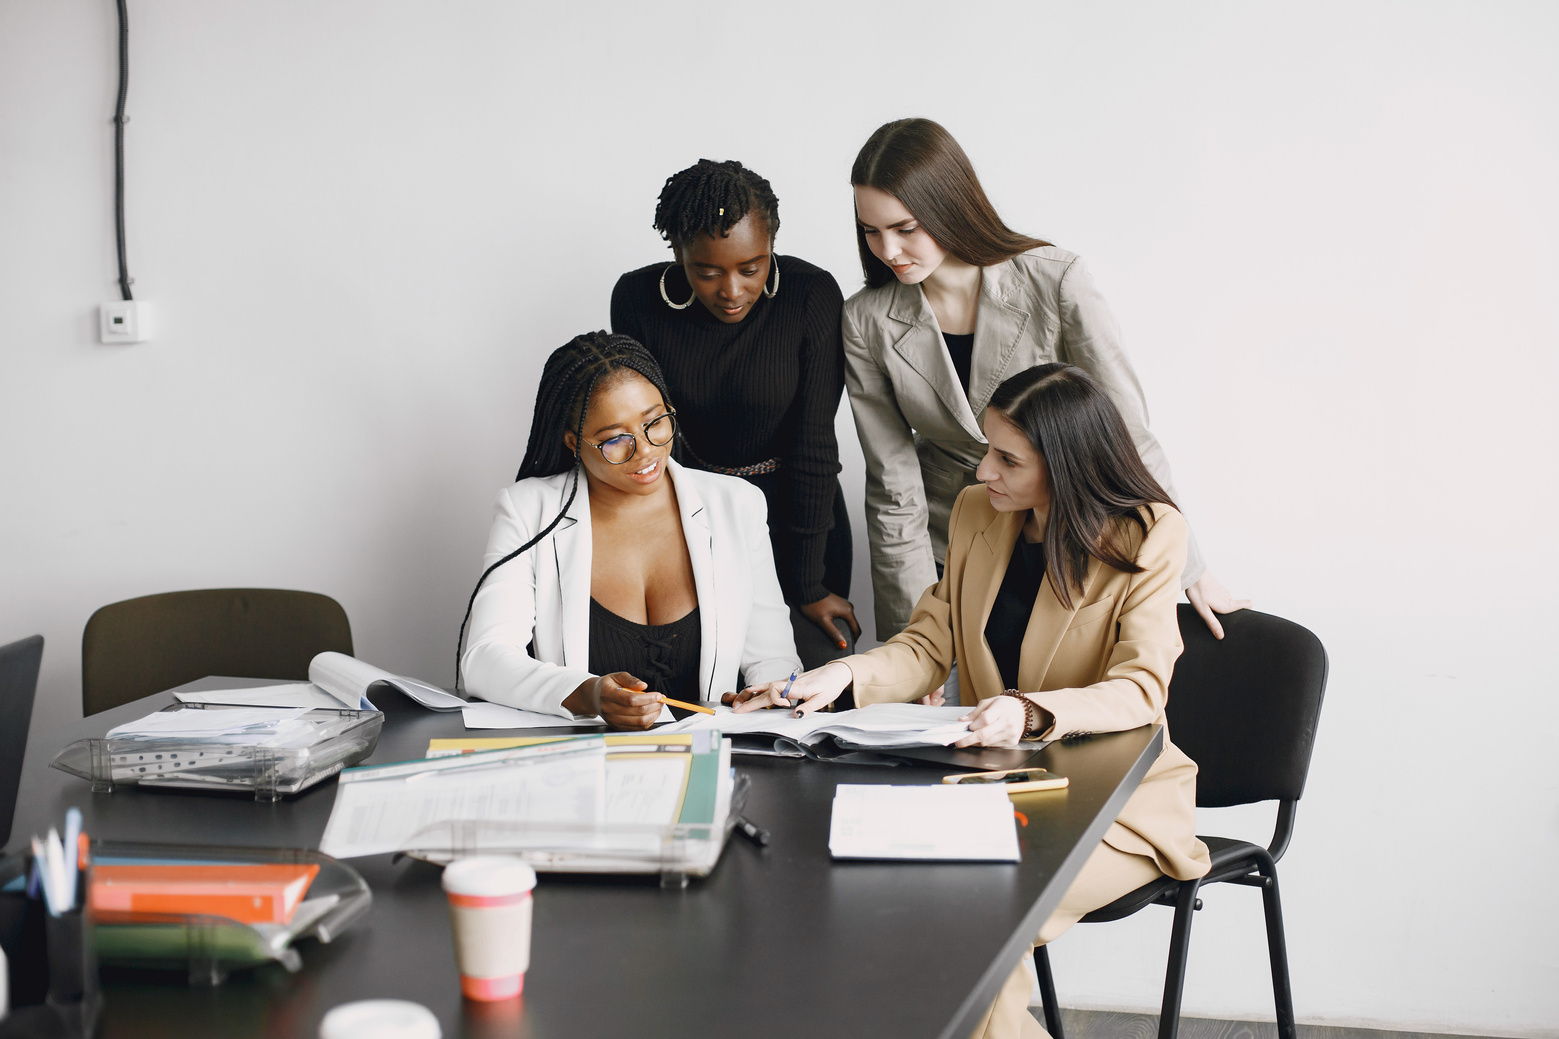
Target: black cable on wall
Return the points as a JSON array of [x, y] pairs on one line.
[[119, 149]]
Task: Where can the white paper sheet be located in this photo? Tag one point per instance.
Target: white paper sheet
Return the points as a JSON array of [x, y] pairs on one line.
[[479, 714], [645, 789], [880, 725], [384, 810], [245, 724], [955, 823], [283, 694]]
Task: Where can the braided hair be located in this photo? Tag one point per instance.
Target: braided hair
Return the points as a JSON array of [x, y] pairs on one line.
[[568, 379], [710, 198]]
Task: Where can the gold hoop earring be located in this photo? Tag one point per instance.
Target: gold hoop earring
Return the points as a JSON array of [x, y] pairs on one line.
[[767, 292], [675, 306]]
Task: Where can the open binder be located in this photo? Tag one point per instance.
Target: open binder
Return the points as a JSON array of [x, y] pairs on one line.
[[647, 803]]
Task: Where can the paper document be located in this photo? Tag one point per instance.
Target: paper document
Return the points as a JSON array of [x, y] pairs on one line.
[[284, 694], [880, 726], [250, 725], [389, 808], [350, 680], [964, 823]]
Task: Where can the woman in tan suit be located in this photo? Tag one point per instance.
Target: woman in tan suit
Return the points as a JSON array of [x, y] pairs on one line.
[[1058, 602], [955, 301]]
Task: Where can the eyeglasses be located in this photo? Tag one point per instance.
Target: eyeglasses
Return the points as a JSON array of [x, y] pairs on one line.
[[658, 432]]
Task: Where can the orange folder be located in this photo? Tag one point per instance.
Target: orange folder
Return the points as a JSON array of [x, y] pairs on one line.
[[260, 893]]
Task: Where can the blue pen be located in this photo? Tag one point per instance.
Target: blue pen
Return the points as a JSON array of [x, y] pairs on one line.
[[790, 682], [72, 834]]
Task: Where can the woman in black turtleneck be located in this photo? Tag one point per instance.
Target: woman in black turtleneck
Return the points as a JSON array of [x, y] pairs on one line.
[[750, 346]]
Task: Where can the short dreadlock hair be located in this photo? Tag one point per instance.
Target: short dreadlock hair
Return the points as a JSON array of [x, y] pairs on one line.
[[571, 375], [710, 198]]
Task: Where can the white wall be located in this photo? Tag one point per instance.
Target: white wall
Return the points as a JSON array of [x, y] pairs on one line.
[[1328, 231]]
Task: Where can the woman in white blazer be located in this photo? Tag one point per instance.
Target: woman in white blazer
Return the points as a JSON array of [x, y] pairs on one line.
[[658, 580], [955, 302]]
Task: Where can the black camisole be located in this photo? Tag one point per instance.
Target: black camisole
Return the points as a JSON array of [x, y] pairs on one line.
[[1009, 619], [664, 656]]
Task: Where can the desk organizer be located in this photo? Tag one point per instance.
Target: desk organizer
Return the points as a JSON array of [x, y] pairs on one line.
[[52, 963], [338, 739], [208, 947]]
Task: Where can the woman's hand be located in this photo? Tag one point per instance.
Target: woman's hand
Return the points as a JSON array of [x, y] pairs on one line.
[[812, 690], [935, 698], [624, 701], [1210, 598], [998, 721], [825, 610]]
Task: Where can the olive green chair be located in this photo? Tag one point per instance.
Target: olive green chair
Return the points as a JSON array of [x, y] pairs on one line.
[[142, 646]]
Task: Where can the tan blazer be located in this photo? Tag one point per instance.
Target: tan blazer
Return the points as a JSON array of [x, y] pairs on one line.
[[1103, 666], [921, 435]]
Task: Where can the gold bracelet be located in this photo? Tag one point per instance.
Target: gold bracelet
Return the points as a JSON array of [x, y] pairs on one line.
[[1030, 712]]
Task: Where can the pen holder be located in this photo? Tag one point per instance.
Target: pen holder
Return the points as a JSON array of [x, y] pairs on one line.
[[64, 998]]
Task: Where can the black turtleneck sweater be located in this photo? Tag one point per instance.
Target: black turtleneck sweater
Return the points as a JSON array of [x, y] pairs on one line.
[[765, 387]]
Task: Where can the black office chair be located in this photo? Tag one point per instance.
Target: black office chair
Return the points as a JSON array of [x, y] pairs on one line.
[[142, 646], [18, 685], [1245, 709]]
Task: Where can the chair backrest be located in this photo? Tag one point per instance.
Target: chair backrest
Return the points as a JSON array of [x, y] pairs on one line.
[[18, 684], [1245, 708], [142, 646]]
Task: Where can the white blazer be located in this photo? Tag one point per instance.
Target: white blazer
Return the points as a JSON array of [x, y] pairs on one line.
[[542, 598]]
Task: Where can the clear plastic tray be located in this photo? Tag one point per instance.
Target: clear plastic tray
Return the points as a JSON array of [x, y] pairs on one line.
[[208, 947], [339, 738]]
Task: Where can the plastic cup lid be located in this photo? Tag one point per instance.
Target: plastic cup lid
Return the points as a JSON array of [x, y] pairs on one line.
[[489, 876], [380, 1019]]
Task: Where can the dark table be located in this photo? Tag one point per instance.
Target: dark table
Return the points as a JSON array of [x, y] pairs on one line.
[[778, 941]]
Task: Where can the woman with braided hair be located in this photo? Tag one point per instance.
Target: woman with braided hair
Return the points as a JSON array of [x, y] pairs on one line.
[[749, 342], [613, 575]]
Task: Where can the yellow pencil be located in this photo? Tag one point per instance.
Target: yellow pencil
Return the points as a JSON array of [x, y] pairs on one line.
[[686, 706]]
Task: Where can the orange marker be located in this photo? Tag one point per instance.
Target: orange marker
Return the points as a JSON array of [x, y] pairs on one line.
[[685, 706]]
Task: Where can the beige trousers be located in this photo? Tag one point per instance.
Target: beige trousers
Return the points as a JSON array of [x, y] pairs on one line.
[[1107, 875]]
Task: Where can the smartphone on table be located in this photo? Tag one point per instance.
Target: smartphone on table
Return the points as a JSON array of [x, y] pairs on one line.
[[1015, 780]]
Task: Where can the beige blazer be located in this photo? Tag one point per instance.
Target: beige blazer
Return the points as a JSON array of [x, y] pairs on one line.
[[1103, 666], [921, 435]]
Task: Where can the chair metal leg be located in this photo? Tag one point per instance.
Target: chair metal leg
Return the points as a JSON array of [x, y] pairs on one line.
[[1047, 991], [1179, 948], [1277, 948]]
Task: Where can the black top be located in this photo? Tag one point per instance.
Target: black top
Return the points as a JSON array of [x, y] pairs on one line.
[[961, 349], [664, 656], [765, 387], [1009, 618]]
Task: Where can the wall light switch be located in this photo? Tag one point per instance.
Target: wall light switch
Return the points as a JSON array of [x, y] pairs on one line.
[[124, 321]]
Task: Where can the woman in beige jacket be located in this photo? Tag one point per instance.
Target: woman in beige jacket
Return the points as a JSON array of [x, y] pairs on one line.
[[1058, 602], [955, 301]]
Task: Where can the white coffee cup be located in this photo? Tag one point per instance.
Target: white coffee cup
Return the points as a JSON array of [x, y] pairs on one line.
[[380, 1019], [490, 910]]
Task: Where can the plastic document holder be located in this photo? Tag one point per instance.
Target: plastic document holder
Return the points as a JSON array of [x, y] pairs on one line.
[[208, 947], [676, 851], [328, 741]]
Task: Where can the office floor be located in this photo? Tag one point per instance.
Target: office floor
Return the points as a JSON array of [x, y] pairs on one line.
[[1098, 1024]]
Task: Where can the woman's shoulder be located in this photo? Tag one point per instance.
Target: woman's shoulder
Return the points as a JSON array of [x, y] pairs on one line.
[[1162, 528], [1044, 266], [721, 492], [639, 285], [534, 490]]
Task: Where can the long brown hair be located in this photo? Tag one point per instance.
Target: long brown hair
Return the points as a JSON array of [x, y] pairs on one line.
[[918, 162], [1098, 484]]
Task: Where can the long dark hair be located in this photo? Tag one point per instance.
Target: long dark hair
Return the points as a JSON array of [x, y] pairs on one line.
[[573, 372], [1098, 483], [918, 162]]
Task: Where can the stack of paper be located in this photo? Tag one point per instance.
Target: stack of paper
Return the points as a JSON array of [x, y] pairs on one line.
[[878, 727], [618, 803], [959, 823]]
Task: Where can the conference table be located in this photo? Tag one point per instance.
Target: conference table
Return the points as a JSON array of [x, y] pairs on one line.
[[777, 941]]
